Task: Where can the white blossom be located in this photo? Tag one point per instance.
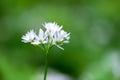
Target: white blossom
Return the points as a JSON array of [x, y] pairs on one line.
[[53, 35], [51, 28], [40, 39], [29, 37], [60, 37]]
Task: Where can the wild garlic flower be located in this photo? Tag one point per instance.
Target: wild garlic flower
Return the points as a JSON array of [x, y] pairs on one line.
[[40, 39], [29, 37], [51, 28], [60, 37], [53, 35]]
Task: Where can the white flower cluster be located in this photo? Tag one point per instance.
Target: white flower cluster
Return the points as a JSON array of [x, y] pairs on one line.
[[53, 35]]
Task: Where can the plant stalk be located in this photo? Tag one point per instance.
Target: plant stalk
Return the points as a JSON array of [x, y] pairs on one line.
[[46, 67]]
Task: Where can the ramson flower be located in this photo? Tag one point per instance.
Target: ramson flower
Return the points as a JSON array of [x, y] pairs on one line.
[[61, 37], [53, 35], [29, 37], [51, 28], [40, 39]]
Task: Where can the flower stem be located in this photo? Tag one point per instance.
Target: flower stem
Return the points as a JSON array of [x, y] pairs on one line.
[[46, 67]]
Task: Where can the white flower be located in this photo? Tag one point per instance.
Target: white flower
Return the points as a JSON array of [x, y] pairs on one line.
[[51, 28], [53, 35], [40, 39], [61, 37], [29, 37]]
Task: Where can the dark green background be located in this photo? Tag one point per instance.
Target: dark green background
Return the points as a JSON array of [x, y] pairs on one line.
[[94, 48]]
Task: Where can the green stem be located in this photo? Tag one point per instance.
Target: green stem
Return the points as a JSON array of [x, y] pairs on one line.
[[46, 67]]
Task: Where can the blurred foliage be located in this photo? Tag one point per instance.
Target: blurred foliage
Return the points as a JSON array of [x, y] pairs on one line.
[[94, 27]]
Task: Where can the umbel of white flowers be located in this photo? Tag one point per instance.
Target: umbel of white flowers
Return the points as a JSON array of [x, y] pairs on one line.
[[53, 35]]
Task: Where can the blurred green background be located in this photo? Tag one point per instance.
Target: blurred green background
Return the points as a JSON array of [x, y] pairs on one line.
[[92, 54]]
